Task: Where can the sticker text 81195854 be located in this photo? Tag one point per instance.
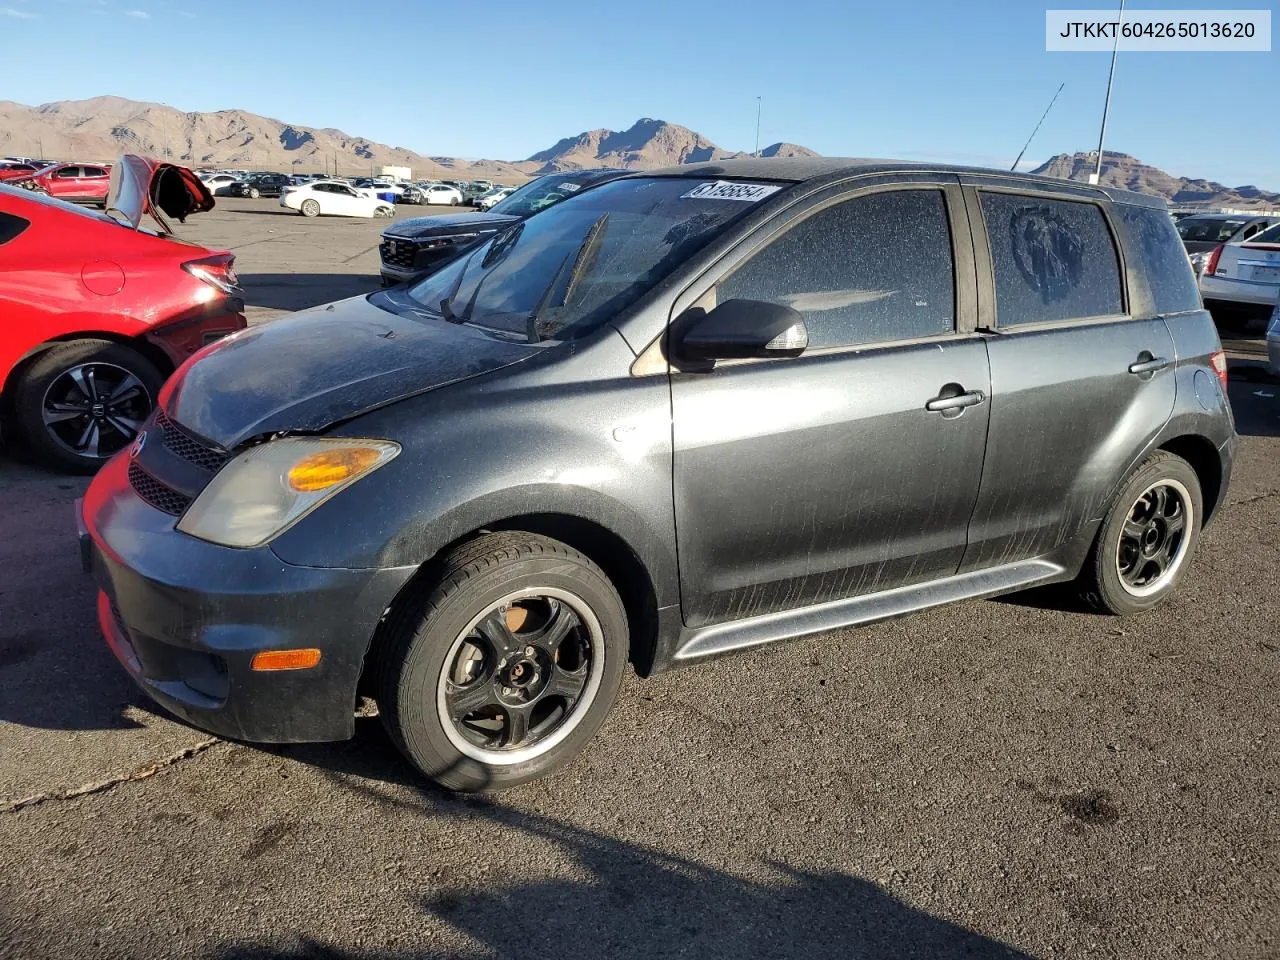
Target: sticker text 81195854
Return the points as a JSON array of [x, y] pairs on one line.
[[727, 190]]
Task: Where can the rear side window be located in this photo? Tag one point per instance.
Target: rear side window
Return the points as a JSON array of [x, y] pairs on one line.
[[11, 226], [1271, 235], [1154, 248], [94, 172], [873, 269], [1054, 260]]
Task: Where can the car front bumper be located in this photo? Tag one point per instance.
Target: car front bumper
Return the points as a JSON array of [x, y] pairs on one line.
[[186, 617]]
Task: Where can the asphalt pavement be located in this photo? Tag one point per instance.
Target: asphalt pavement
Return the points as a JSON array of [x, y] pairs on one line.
[[994, 779]]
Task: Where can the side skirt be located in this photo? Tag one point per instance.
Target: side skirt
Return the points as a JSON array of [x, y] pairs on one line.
[[720, 638]]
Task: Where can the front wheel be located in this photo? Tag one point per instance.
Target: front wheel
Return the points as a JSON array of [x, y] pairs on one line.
[[1147, 538], [254, 194], [81, 402], [506, 667], [310, 208]]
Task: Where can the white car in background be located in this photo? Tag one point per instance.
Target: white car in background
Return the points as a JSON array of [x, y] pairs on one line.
[[442, 193], [1243, 278], [218, 183], [495, 195], [332, 198]]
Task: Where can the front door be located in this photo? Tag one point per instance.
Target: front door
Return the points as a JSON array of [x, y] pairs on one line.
[[853, 468], [1080, 377]]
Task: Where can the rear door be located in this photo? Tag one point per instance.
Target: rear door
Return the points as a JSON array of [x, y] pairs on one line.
[[94, 183], [827, 476], [1081, 370]]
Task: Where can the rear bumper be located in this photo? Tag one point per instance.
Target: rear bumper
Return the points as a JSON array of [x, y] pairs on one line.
[[184, 335], [185, 618], [1238, 293]]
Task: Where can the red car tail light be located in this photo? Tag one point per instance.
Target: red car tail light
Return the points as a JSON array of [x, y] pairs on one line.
[[1219, 362], [1211, 267], [217, 271]]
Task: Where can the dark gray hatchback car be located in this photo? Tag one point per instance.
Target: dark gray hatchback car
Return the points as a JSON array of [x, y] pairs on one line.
[[686, 412]]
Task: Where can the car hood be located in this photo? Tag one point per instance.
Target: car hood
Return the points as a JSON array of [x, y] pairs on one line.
[[141, 185], [449, 224], [313, 369]]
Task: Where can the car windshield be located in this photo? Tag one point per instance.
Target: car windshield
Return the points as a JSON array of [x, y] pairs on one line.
[[1269, 235], [564, 272], [1208, 228], [540, 194]]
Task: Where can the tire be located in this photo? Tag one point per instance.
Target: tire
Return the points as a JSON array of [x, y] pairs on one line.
[[434, 649], [254, 193], [55, 384], [1118, 576], [309, 208]]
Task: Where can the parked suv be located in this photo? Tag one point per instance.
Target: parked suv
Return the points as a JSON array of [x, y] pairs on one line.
[[413, 248], [680, 414], [261, 185]]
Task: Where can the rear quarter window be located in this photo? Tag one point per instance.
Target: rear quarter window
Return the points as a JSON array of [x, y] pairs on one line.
[[1054, 260], [11, 226], [1156, 251]]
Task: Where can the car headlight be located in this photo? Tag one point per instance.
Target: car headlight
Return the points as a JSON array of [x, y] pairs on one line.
[[267, 488]]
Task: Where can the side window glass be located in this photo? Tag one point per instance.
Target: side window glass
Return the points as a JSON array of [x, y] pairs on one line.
[[11, 226], [1053, 259], [94, 172], [68, 173], [1156, 250], [870, 270]]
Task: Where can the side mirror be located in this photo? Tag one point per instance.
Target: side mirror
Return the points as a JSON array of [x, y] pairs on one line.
[[741, 329]]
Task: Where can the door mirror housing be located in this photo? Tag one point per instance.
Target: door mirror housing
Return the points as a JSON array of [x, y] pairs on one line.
[[744, 329]]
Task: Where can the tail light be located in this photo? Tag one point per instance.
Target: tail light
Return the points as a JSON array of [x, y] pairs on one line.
[[217, 271], [1219, 363], [1211, 267]]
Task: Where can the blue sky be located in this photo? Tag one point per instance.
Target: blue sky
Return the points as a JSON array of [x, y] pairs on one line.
[[914, 80]]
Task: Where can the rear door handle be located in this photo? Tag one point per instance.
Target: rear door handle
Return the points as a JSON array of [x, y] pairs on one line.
[[1154, 365], [957, 402]]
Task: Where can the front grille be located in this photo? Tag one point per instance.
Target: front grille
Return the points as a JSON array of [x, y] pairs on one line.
[[184, 445], [162, 497], [405, 251]]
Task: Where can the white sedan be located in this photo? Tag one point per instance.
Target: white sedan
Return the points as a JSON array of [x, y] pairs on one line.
[[335, 199], [443, 193], [218, 183], [496, 195]]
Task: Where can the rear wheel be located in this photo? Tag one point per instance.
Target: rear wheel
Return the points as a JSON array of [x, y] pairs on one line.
[[1147, 539], [310, 208], [254, 193], [506, 668], [81, 402]]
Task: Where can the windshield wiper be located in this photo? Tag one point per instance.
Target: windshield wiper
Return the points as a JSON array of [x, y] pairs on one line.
[[585, 256], [446, 305]]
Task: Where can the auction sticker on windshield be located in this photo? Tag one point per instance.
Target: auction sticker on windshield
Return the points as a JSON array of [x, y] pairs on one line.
[[726, 190]]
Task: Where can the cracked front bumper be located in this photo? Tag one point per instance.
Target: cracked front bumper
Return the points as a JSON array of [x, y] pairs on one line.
[[185, 619]]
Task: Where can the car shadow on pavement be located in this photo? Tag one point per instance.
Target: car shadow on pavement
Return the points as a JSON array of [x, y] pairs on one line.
[[1255, 401], [299, 291], [623, 900]]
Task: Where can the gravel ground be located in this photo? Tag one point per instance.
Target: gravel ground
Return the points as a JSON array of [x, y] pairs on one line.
[[998, 778]]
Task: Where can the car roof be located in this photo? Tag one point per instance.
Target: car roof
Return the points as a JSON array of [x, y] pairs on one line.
[[821, 170]]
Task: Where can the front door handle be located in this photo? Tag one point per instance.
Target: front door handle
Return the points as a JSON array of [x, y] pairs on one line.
[[1149, 365], [948, 402]]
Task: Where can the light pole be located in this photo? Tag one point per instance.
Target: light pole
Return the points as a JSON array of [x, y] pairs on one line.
[[757, 151], [1106, 107]]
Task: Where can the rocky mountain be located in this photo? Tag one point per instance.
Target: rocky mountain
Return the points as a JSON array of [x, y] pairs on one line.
[[646, 145], [1129, 173], [104, 127]]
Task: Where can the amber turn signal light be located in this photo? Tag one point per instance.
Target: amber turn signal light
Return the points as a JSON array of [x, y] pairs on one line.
[[320, 471], [303, 659]]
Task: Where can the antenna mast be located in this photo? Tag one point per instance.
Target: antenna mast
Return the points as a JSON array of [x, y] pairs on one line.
[[1037, 129]]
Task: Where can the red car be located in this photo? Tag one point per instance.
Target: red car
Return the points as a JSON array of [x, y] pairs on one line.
[[98, 311], [77, 182], [14, 170]]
